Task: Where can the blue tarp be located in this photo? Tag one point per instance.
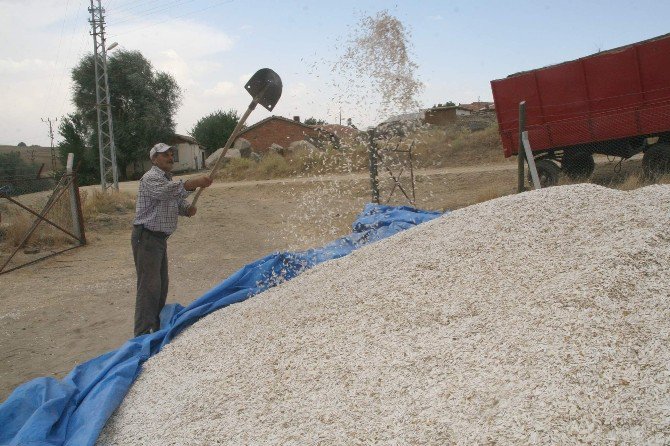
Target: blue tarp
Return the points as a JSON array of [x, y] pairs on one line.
[[73, 411]]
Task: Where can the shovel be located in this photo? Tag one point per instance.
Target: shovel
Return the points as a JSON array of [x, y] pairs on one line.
[[265, 89]]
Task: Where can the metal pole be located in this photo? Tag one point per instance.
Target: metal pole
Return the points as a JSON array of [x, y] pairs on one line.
[[74, 209], [106, 144], [521, 182], [374, 157]]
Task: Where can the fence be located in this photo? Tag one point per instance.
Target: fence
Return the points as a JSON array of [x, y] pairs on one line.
[[39, 216], [392, 166], [595, 148]]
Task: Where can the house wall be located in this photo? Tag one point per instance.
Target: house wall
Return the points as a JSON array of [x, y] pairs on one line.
[[276, 131], [440, 116], [190, 157]]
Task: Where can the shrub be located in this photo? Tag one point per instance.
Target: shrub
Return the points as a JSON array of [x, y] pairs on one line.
[[111, 202], [274, 165]]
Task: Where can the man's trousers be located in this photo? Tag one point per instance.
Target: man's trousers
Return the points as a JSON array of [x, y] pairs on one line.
[[151, 265]]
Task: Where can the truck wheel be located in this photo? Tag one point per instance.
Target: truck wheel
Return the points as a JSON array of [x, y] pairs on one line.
[[548, 172], [578, 166], [656, 161]]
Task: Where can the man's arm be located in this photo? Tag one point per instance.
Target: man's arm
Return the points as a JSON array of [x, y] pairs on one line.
[[160, 188], [193, 183]]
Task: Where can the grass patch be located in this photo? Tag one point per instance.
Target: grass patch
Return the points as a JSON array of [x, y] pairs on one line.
[[432, 147], [18, 222], [98, 202]]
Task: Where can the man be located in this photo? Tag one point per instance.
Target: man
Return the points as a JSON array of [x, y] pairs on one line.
[[159, 201]]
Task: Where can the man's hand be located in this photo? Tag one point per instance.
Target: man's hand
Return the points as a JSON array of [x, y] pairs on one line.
[[194, 183], [190, 212]]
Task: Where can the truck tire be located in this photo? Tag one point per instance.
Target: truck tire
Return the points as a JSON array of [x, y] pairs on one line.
[[548, 171], [578, 166], [656, 161]]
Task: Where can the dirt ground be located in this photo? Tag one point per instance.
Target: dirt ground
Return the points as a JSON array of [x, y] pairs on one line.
[[70, 308]]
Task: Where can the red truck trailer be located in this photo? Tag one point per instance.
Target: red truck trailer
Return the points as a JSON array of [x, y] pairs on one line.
[[615, 102]]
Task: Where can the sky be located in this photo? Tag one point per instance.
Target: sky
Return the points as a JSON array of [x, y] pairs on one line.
[[213, 47]]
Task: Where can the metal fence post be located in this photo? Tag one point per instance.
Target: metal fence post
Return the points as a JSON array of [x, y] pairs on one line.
[[521, 182], [75, 202], [374, 158]]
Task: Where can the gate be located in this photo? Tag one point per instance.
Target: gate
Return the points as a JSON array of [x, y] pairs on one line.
[[35, 223]]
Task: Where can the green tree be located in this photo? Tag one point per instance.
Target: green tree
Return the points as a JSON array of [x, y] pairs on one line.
[[143, 102], [314, 121], [75, 135], [213, 130]]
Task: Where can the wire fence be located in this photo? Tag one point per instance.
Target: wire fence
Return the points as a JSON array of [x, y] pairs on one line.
[[39, 216], [622, 146]]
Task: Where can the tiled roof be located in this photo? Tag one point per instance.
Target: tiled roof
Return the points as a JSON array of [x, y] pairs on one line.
[[280, 118]]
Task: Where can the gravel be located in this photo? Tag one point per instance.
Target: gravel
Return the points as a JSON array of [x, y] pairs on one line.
[[538, 318]]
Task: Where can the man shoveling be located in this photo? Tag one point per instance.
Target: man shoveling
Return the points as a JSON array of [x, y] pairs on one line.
[[159, 201]]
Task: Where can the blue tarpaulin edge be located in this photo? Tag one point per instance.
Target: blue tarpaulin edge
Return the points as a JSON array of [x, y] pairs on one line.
[[73, 411]]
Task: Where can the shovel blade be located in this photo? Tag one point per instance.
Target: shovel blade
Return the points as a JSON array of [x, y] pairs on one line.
[[265, 87]]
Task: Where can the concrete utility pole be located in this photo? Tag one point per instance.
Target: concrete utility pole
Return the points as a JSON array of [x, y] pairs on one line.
[[109, 176], [53, 149]]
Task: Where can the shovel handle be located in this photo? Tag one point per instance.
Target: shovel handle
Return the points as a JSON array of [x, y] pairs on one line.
[[229, 143]]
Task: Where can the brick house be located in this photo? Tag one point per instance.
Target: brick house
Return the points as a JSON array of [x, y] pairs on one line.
[[281, 131]]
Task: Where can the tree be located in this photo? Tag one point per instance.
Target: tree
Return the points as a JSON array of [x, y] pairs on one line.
[[213, 130], [449, 104], [314, 121], [143, 103], [21, 144], [75, 135]]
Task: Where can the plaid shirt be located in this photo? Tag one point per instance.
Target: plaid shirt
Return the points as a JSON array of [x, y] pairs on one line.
[[159, 201]]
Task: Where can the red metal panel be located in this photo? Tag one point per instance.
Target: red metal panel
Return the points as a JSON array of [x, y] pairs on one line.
[[654, 60], [613, 94], [509, 93]]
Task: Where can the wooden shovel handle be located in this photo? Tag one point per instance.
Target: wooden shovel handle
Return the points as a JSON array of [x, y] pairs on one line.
[[229, 143]]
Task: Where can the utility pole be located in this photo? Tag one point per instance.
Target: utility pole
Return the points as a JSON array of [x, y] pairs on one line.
[[53, 150], [108, 171]]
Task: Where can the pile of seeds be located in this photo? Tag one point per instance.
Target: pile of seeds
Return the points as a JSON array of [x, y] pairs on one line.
[[538, 318]]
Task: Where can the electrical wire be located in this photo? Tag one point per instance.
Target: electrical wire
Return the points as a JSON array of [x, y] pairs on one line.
[[60, 40], [173, 18], [153, 11]]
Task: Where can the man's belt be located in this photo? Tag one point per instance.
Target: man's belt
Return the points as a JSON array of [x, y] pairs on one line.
[[155, 233]]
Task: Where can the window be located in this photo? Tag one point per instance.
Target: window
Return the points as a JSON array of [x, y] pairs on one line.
[[176, 155]]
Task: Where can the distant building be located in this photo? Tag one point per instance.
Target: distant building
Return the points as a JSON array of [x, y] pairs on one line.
[[444, 115], [479, 107], [281, 131], [188, 153]]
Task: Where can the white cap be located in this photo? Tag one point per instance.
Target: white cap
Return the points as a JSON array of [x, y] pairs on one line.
[[159, 148]]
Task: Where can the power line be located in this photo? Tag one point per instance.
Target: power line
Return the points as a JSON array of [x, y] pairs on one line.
[[173, 18], [153, 11], [60, 39], [68, 63], [51, 137]]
